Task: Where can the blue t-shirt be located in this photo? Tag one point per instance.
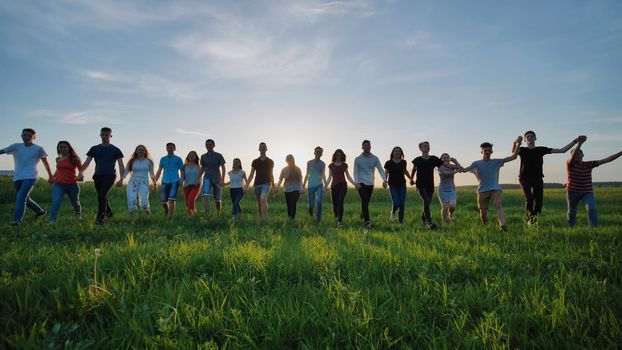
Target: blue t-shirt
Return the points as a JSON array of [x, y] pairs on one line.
[[171, 166], [211, 164], [487, 172], [105, 158], [316, 169]]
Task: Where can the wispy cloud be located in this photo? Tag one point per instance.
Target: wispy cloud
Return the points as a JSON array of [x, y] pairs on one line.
[[145, 84], [189, 132], [314, 10], [418, 40], [79, 118]]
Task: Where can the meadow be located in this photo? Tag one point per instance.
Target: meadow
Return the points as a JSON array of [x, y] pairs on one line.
[[197, 283]]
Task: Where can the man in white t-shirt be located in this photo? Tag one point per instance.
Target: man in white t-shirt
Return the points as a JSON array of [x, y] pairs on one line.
[[26, 155]]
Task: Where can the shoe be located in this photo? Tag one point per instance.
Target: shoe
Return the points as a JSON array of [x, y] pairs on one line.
[[432, 226], [503, 228], [392, 216], [109, 214], [311, 211], [368, 225], [100, 219], [452, 220], [41, 214], [339, 224]]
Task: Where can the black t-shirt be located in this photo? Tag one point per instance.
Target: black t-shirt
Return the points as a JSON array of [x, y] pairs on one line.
[[263, 170], [531, 160], [425, 170], [396, 172]]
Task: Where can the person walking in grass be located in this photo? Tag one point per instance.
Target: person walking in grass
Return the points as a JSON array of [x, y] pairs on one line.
[[487, 172], [395, 170], [423, 168], [65, 180], [191, 180], [337, 175], [579, 185], [531, 174], [26, 156], [140, 166], [292, 175], [262, 171], [213, 165], [237, 183], [173, 166], [447, 194], [364, 166], [316, 176], [105, 155]]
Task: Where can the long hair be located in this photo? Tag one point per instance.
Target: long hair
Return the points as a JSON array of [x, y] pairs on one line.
[[401, 151], [130, 164], [73, 156], [239, 161], [343, 155], [196, 158]]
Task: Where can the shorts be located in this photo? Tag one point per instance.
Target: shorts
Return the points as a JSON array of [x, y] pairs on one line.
[[169, 192], [261, 189], [484, 197], [447, 196], [211, 189]]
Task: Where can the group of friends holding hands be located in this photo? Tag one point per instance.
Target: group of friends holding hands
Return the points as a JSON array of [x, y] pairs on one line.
[[206, 175]]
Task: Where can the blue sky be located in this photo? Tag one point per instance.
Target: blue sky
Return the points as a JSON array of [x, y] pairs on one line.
[[297, 74]]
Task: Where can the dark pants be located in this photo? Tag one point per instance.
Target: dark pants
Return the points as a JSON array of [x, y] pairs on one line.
[[103, 184], [365, 192], [426, 195], [291, 198], [534, 191], [338, 194], [236, 197]]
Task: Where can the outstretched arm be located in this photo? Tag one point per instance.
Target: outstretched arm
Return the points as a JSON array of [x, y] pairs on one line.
[[567, 147], [610, 158]]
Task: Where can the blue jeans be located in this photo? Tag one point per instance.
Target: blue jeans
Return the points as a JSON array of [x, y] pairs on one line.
[[236, 197], [398, 195], [168, 192], [316, 192], [58, 192], [573, 199], [23, 200]]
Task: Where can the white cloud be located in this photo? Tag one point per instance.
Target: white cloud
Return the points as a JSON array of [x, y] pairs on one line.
[[314, 10], [188, 132], [419, 40], [80, 118]]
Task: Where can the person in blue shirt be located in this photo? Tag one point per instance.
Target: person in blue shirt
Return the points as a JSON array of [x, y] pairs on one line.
[[173, 166]]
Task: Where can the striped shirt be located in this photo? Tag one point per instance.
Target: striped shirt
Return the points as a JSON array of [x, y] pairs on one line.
[[580, 175]]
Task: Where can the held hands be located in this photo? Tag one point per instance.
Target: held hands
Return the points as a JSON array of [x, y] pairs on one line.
[[51, 180], [357, 186], [384, 184], [120, 182], [412, 182]]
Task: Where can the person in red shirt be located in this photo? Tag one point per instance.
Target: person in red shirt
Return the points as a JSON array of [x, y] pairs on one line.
[[579, 185], [65, 180]]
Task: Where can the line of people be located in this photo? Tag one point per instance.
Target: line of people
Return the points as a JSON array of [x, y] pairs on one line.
[[206, 175]]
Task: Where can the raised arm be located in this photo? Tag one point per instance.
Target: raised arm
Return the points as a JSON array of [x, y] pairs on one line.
[[573, 154], [515, 148], [610, 158], [567, 147]]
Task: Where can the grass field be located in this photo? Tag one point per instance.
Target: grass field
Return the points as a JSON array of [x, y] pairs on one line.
[[196, 283]]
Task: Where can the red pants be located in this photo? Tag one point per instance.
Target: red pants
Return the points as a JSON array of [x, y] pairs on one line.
[[190, 196]]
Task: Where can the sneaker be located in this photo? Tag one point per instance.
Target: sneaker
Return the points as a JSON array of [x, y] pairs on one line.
[[41, 214], [432, 226], [503, 228], [392, 216], [339, 224], [368, 225]]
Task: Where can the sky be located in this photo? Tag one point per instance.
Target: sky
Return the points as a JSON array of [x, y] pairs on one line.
[[297, 74]]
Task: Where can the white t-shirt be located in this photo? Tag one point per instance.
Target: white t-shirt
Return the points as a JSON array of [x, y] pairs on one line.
[[25, 159], [236, 178], [141, 170]]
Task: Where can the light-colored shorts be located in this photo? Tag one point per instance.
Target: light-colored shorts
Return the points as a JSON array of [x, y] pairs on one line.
[[484, 197], [261, 189], [447, 196]]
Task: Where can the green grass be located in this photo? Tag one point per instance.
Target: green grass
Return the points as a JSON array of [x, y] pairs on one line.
[[196, 283]]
